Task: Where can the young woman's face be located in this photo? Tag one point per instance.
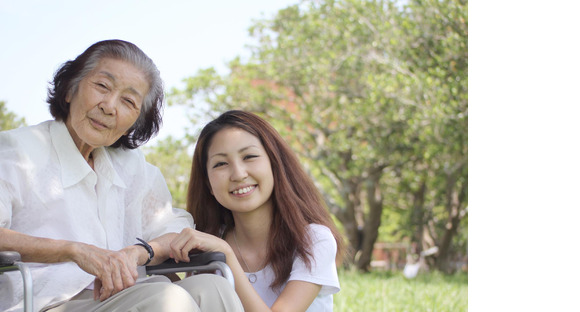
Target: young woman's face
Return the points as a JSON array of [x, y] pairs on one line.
[[107, 103], [239, 171]]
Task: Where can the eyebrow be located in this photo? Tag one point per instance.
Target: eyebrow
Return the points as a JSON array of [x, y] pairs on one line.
[[239, 151], [131, 89]]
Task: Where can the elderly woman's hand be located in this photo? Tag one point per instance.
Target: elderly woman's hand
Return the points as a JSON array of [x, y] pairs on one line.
[[114, 270]]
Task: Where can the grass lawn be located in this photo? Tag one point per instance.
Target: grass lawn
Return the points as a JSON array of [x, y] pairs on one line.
[[387, 291]]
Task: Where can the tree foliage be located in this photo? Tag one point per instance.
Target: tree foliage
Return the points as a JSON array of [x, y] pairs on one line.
[[373, 96], [9, 120], [171, 156]]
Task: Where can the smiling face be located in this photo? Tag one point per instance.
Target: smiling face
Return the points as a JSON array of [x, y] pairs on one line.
[[106, 105], [239, 171]]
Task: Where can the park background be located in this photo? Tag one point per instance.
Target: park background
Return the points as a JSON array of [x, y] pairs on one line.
[[373, 96]]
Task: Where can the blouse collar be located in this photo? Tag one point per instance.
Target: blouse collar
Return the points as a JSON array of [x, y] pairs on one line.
[[74, 166]]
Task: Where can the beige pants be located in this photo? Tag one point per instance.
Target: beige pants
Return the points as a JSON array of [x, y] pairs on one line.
[[203, 292]]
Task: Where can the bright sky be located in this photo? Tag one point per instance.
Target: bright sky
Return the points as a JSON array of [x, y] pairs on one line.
[[181, 36]]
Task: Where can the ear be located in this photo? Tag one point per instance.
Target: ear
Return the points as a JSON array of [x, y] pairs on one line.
[[68, 96]]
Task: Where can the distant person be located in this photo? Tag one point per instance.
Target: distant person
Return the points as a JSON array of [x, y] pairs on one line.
[[79, 201], [255, 203]]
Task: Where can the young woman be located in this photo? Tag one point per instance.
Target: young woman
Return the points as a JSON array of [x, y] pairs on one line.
[[252, 200]]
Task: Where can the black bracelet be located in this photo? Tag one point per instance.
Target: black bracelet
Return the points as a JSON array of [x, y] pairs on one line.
[[148, 248]]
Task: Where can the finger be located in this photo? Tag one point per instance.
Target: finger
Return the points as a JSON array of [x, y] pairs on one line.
[[107, 289], [97, 289], [134, 273], [107, 285], [118, 280], [129, 274], [192, 245], [177, 249]]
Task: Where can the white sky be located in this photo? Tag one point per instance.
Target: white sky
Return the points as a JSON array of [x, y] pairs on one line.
[[181, 36]]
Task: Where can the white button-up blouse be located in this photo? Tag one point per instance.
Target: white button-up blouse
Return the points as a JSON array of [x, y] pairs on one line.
[[47, 189]]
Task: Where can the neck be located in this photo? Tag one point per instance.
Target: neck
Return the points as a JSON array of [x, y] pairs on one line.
[[252, 230], [253, 238], [84, 148], [91, 161], [87, 153]]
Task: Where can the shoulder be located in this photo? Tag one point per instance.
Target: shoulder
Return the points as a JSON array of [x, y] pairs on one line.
[[129, 160], [126, 157], [26, 142], [323, 242], [132, 165], [22, 135], [319, 232]]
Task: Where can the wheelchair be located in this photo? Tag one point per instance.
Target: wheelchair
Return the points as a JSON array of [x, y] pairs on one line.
[[199, 263]]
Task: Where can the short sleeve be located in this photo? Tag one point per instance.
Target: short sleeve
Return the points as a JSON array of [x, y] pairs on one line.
[[323, 271]]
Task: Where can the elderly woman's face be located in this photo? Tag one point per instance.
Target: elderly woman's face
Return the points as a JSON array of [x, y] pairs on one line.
[[107, 103]]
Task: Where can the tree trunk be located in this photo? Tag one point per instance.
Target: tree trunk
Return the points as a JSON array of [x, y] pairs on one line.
[[372, 221], [418, 215], [349, 221], [454, 203]]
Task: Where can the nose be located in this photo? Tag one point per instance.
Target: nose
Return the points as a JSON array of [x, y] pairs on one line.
[[238, 173], [107, 104]]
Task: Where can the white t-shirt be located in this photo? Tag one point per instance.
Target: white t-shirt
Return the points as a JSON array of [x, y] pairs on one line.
[[47, 189], [323, 272]]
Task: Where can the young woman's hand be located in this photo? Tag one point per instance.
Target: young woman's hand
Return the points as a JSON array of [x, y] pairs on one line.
[[190, 239]]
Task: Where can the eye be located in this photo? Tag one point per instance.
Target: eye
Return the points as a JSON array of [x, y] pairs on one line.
[[250, 157], [130, 102], [219, 164], [102, 85]]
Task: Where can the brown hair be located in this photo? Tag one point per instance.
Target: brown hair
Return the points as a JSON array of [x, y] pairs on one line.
[[296, 200]]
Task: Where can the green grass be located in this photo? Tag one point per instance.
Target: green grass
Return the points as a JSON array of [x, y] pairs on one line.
[[387, 291]]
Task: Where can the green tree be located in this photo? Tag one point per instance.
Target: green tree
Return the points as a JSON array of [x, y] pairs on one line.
[[9, 120], [434, 37], [373, 97], [170, 155]]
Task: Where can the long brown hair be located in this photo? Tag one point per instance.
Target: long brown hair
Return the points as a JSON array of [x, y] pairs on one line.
[[296, 200]]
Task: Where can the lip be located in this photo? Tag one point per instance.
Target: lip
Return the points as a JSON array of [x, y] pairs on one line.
[[252, 188], [97, 124]]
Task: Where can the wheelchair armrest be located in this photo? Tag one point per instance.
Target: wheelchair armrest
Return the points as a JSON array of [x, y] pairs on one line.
[[11, 261], [195, 260], [198, 262], [8, 258]]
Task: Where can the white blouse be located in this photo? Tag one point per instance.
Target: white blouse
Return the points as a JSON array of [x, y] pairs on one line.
[[47, 189], [323, 272]]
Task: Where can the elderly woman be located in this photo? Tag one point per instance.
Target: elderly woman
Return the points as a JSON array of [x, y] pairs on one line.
[[79, 201]]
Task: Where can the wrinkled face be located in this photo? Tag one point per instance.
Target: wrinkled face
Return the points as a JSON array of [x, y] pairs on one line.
[[107, 104], [239, 171]]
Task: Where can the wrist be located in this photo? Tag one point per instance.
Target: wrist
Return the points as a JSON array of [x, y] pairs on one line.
[[228, 251], [150, 253], [137, 253], [71, 251]]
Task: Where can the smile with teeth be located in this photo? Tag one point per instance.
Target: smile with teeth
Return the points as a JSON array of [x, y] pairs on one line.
[[244, 190]]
